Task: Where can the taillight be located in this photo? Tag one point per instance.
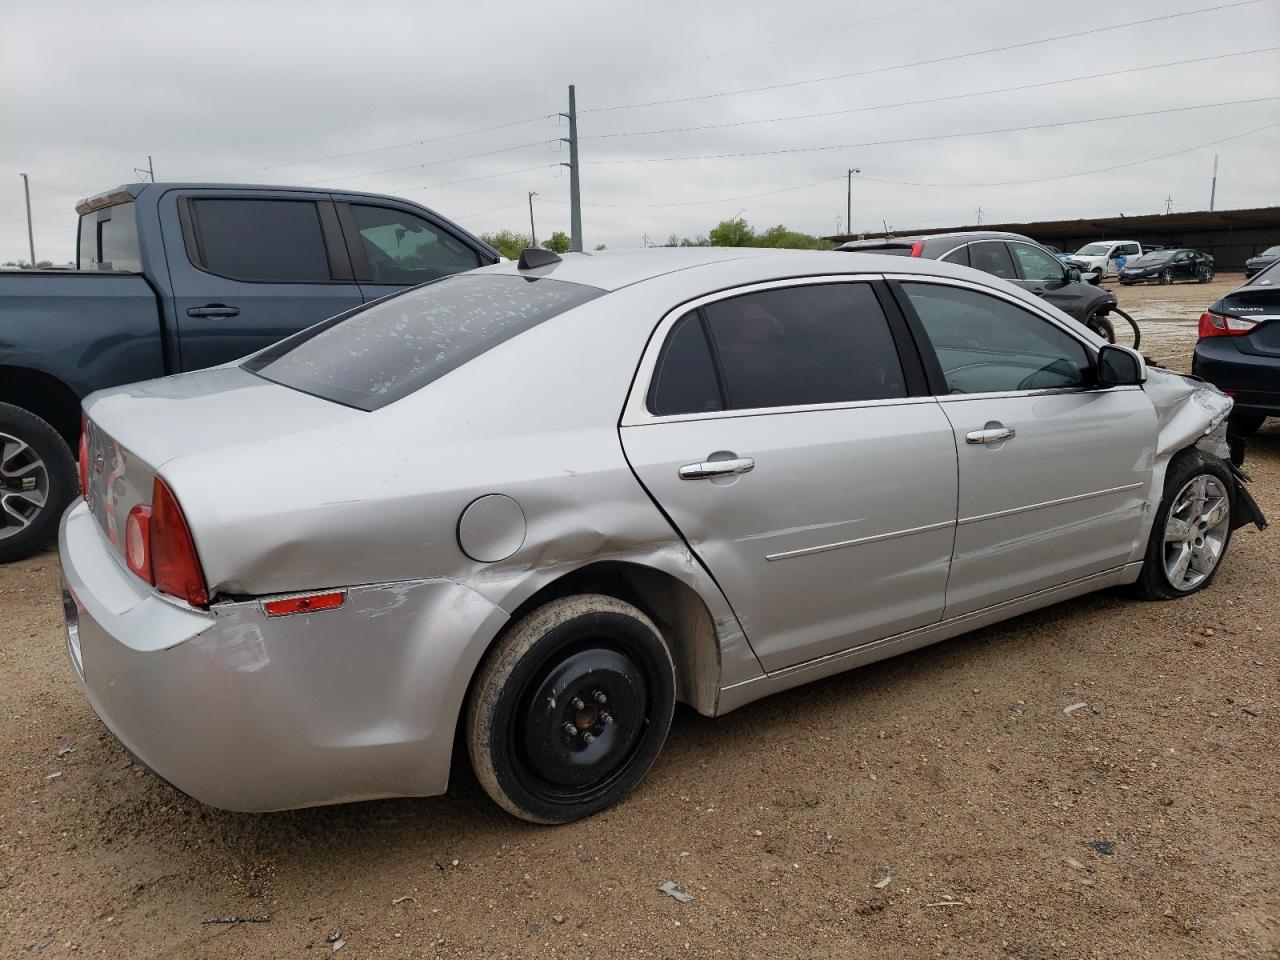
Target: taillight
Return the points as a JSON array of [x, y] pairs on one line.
[[917, 248], [1221, 325], [84, 457], [175, 567], [137, 541]]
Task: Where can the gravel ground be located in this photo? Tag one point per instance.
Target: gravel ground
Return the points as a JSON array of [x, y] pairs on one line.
[[940, 804]]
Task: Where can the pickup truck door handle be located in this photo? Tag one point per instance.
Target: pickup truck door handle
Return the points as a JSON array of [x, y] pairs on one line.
[[213, 310], [708, 469], [993, 434]]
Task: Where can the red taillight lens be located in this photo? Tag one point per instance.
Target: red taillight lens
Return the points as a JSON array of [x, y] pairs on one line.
[[84, 457], [917, 248], [137, 541], [1221, 325], [308, 604], [175, 567]]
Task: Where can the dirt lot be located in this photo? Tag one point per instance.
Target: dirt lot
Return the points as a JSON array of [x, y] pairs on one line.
[[1144, 825]]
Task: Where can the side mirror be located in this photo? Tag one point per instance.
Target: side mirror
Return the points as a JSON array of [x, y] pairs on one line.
[[1073, 275], [1120, 367]]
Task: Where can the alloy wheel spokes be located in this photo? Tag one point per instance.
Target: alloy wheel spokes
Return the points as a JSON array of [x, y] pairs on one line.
[[1195, 531], [24, 485]]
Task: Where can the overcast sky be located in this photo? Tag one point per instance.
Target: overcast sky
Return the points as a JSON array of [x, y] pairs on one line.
[[270, 93]]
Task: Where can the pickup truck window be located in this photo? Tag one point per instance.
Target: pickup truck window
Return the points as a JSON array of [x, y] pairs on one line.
[[404, 249], [109, 240], [260, 240], [376, 355]]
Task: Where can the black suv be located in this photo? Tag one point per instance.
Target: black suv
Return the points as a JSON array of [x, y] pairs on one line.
[[1166, 266], [1017, 259]]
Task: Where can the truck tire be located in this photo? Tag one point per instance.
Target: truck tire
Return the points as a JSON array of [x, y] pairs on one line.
[[37, 480]]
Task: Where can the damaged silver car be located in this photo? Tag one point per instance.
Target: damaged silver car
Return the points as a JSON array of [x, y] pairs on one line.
[[544, 502]]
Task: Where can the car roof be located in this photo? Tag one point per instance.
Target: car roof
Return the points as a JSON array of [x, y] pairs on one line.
[[928, 237], [704, 269]]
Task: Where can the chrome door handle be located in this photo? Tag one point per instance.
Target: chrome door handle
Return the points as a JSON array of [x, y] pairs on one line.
[[716, 468], [990, 435]]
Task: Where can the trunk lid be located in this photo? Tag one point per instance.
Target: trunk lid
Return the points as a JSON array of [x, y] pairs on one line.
[[133, 431], [1261, 304]]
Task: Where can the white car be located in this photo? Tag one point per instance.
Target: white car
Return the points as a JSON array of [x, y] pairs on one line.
[[1107, 256]]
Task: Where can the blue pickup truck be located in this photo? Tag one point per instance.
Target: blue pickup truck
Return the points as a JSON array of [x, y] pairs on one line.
[[180, 276]]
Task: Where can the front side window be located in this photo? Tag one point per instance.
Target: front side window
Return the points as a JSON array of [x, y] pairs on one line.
[[1036, 264], [1129, 250], [988, 345], [377, 355], [260, 240], [402, 248], [827, 343], [992, 257]]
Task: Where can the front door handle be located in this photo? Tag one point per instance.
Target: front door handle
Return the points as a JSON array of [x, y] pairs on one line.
[[709, 469], [992, 434], [213, 310]]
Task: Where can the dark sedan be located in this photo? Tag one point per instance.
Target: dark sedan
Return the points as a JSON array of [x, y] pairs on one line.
[[1260, 262], [1166, 266], [1015, 258], [1239, 349]]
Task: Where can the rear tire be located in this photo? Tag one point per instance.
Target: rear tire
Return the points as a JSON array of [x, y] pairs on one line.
[[1205, 275], [570, 709], [38, 478], [1245, 424], [1192, 529]]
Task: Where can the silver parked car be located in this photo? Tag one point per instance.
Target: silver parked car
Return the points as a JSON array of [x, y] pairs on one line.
[[547, 501]]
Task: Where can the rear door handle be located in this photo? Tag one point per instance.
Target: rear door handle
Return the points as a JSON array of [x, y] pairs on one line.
[[213, 310], [708, 469], [990, 435]]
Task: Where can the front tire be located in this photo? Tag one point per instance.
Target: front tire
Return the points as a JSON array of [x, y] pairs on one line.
[[570, 709], [37, 480], [1100, 325], [1166, 277], [1192, 529]]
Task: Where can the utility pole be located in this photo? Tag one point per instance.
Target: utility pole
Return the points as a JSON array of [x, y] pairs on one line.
[[31, 238], [575, 198], [1213, 186], [1168, 204], [848, 213], [533, 233], [979, 215], [149, 170], [838, 222]]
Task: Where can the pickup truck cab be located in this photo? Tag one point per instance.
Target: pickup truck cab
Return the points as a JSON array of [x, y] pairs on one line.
[[174, 277], [1108, 256]]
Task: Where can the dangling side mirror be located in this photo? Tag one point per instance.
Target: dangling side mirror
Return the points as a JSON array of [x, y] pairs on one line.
[[1073, 275], [1120, 367]]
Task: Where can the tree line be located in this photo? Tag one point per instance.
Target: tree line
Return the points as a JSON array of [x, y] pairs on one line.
[[727, 233]]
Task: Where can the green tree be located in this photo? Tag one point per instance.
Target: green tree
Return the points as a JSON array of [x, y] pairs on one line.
[[780, 236], [559, 242], [732, 233], [508, 242]]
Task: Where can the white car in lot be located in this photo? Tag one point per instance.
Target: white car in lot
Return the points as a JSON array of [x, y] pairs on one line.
[[1108, 256]]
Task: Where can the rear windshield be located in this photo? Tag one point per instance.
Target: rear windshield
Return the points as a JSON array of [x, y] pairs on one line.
[[375, 356], [109, 240]]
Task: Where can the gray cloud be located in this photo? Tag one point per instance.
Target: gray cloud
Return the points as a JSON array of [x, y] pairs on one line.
[[247, 88]]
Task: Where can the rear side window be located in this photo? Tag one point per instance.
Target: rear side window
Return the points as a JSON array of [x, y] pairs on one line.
[[377, 355], [959, 255], [684, 380], [988, 345], [402, 248], [109, 240], [992, 257], [260, 240], [827, 343]]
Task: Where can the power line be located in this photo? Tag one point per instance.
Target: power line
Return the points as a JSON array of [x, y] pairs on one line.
[[390, 146], [481, 213], [928, 100], [937, 136], [950, 58], [430, 163], [487, 176], [770, 43]]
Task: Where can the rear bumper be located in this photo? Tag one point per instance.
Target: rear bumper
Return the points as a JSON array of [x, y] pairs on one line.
[[249, 713], [1253, 381]]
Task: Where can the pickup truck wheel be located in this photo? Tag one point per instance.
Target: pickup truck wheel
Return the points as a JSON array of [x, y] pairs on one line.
[[1192, 529], [37, 481], [570, 709]]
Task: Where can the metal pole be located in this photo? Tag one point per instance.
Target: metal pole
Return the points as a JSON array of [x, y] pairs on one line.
[[31, 239], [151, 169], [533, 233], [575, 197], [1213, 187]]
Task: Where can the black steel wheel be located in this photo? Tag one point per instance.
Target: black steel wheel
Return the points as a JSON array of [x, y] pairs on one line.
[[570, 709]]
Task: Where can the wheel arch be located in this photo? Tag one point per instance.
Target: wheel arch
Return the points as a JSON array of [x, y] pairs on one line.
[[45, 396]]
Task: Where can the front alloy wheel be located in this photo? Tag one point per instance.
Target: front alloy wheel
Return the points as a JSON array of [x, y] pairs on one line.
[[1166, 276], [1192, 528], [570, 709]]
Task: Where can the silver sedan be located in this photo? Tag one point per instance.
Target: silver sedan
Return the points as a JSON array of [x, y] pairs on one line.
[[544, 502]]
